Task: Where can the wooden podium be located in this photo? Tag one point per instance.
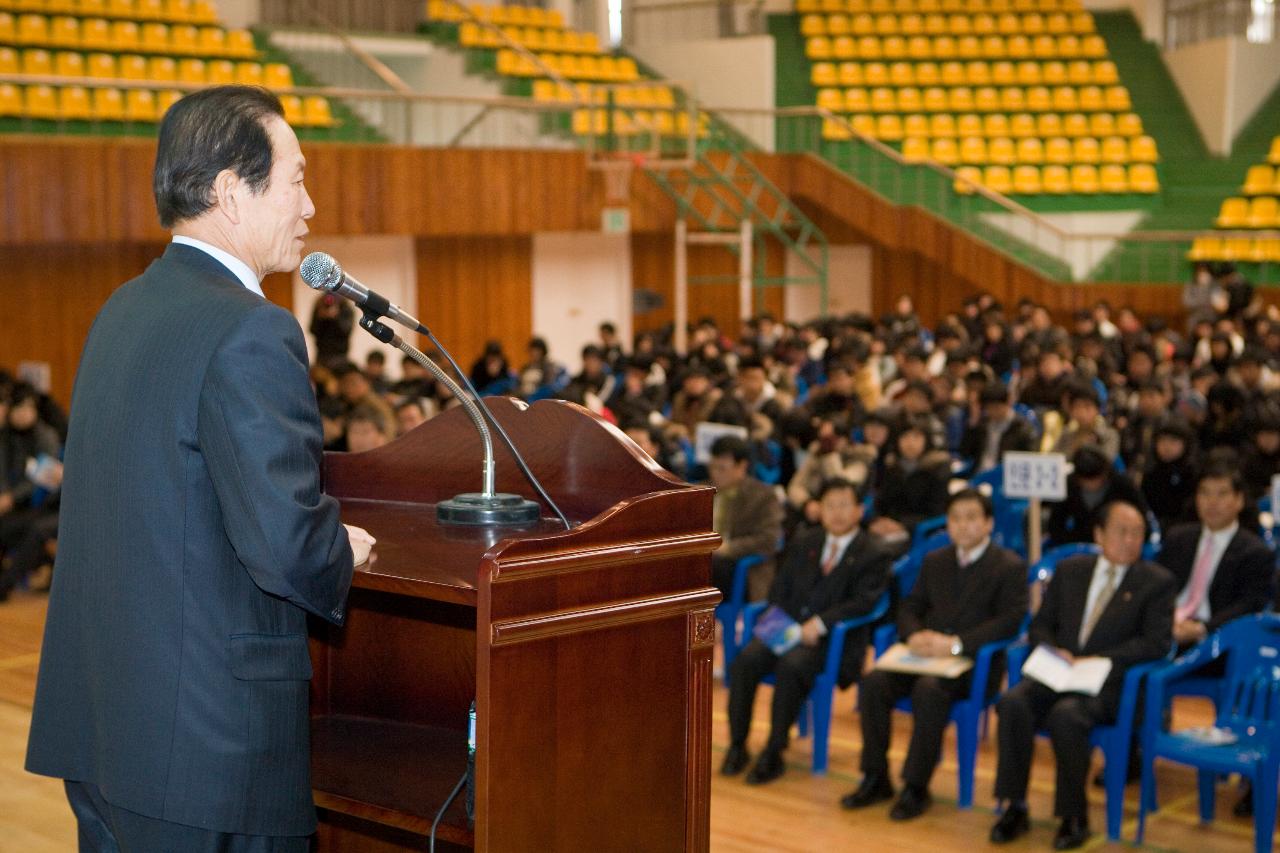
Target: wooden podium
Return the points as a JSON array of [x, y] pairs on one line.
[[587, 652]]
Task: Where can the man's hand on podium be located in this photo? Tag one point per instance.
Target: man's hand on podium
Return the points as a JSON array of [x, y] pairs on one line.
[[361, 542]]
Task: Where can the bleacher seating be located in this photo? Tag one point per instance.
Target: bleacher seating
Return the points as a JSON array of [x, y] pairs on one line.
[[164, 42], [1256, 208], [1019, 86]]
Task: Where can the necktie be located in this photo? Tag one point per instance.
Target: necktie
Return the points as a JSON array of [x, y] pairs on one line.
[[829, 559], [1199, 581], [1104, 597]]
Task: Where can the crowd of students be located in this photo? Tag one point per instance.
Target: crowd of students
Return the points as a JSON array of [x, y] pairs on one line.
[[32, 430]]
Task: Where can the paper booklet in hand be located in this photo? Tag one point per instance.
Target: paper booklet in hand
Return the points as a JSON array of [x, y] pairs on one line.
[[898, 658], [1086, 675], [777, 630]]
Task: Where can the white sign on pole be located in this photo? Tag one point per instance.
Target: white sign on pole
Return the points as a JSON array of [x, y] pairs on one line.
[[705, 435], [1035, 475], [1275, 496]]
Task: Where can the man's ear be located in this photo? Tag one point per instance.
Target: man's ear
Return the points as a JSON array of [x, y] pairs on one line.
[[226, 190]]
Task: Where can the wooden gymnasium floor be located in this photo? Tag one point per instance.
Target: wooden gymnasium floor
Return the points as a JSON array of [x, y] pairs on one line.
[[796, 813]]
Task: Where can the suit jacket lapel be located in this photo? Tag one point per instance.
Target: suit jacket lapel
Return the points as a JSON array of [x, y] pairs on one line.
[[1119, 602]]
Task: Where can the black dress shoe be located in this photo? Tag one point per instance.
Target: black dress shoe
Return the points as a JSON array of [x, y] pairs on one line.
[[735, 761], [1014, 823], [911, 804], [1072, 833], [768, 766], [872, 790], [1244, 805]]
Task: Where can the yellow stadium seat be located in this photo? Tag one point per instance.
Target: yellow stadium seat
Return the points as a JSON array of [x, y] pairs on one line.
[[856, 100], [140, 106], [969, 125], [994, 47], [1237, 249], [220, 72], [40, 103], [1033, 24], [166, 99], [960, 25], [944, 47], [1084, 179], [64, 32], [887, 25], [927, 74], [1018, 47], [213, 42], [203, 12], [469, 34], [8, 32], [8, 61], [915, 125], [1013, 99], [875, 74], [1206, 249], [1044, 47], [131, 67], [192, 71], [889, 128], [1031, 150], [912, 25], [1273, 155], [894, 47], [843, 48], [828, 99], [967, 178], [973, 150], [945, 151], [1105, 73], [996, 124], [108, 105], [33, 29], [1023, 125], [813, 25], [954, 74], [817, 47], [1057, 24], [1128, 124], [863, 124], [1026, 180], [1113, 178], [920, 48], [935, 25], [148, 10], [1091, 100], [162, 69], [177, 10], [1142, 149], [823, 74], [808, 6], [1069, 47], [883, 100], [1028, 74], [986, 99], [1065, 99], [1048, 124], [1092, 47], [1259, 180], [902, 74], [1264, 212], [292, 109], [1079, 73], [1057, 179], [1085, 150], [960, 100], [317, 112], [942, 125], [915, 149], [184, 38], [101, 65], [1057, 150], [909, 100], [1234, 213], [977, 73], [862, 25], [997, 179], [155, 37], [1007, 24], [1082, 23], [10, 100], [628, 71], [1117, 99], [37, 61], [850, 74], [1114, 150], [1002, 151], [1102, 125], [1075, 124], [1142, 178], [1053, 73], [124, 36], [95, 34], [74, 104], [1039, 99]]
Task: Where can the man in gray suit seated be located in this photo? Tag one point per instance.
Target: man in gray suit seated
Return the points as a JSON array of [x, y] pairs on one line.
[[172, 694]]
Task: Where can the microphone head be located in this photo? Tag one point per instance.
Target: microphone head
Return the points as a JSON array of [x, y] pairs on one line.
[[321, 272]]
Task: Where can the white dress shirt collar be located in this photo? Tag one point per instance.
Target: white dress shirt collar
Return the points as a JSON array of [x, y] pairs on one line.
[[1219, 541], [237, 267], [968, 558], [841, 544]]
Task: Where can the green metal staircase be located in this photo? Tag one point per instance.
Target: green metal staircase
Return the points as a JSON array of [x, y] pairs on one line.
[[716, 194]]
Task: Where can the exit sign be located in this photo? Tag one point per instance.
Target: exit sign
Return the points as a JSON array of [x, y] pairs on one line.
[[615, 220]]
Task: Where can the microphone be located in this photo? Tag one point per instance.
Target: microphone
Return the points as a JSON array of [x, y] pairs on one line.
[[321, 272]]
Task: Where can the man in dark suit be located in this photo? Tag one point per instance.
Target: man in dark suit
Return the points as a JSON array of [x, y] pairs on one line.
[[828, 574], [172, 694], [1223, 571], [1092, 484], [1114, 606], [747, 516], [1000, 429], [968, 594]]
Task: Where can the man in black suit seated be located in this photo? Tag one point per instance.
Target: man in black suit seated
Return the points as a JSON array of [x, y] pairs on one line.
[[998, 430], [968, 594], [826, 575], [1223, 570], [1114, 606]]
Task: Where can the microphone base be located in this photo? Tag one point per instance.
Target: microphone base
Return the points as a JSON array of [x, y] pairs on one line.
[[499, 510]]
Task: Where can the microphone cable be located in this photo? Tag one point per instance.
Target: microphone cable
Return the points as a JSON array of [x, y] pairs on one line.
[[466, 381], [435, 824]]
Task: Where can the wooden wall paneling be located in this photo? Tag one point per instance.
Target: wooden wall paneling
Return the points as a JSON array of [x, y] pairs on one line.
[[473, 289]]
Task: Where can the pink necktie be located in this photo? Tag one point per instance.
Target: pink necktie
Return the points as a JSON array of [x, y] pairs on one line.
[[1199, 581], [829, 561]]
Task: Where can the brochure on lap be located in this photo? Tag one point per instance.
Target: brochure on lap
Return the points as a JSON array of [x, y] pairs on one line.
[[1086, 675], [898, 658]]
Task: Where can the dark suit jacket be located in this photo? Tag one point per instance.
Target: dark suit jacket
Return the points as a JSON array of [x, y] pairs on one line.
[[852, 588], [753, 525], [1018, 436], [1244, 580], [980, 604], [1071, 520], [194, 541], [1136, 626]]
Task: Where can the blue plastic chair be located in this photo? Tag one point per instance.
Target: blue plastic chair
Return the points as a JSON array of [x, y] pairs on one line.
[[1030, 415], [1043, 569], [728, 613], [1250, 708], [818, 705], [907, 568], [1010, 513], [767, 466]]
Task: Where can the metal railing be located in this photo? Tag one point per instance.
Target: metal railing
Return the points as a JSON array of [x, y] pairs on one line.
[[1190, 21], [690, 20]]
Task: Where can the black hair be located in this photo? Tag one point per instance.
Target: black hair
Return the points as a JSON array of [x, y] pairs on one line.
[[375, 357], [970, 494], [1222, 469], [205, 132], [411, 403], [731, 445], [1104, 514], [838, 483]]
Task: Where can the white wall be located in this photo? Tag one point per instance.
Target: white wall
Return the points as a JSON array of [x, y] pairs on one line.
[[383, 263], [239, 13], [736, 72], [1080, 249], [580, 280], [848, 284], [1224, 80]]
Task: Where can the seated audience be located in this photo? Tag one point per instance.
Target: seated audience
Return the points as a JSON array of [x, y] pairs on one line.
[[1115, 606], [995, 431], [1168, 483], [368, 428], [914, 486], [968, 594], [826, 575], [1092, 484], [1086, 424], [747, 516]]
